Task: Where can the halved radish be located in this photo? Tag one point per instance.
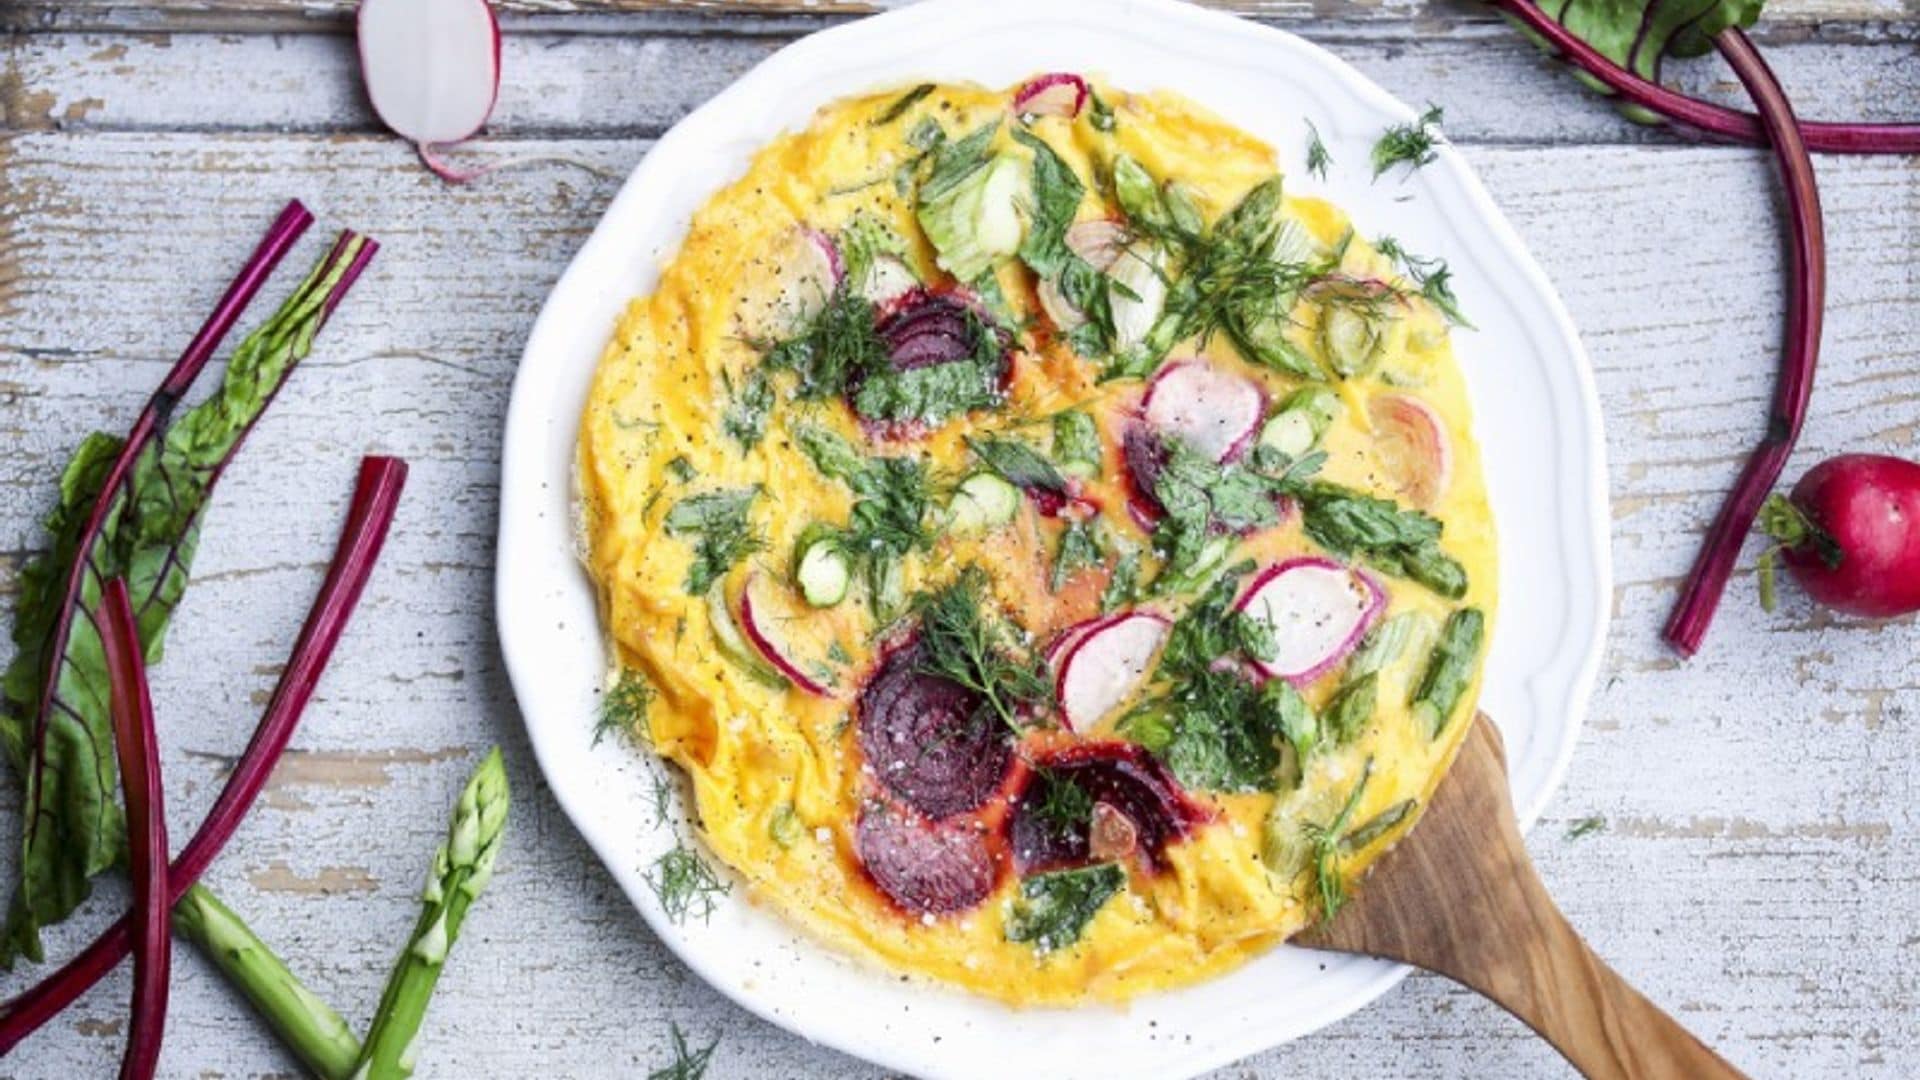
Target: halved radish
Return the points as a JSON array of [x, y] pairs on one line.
[[788, 285], [432, 70], [757, 633], [1215, 412], [1107, 664], [887, 279], [1317, 611], [1410, 442], [1099, 243], [1057, 94], [1138, 295], [1064, 640]]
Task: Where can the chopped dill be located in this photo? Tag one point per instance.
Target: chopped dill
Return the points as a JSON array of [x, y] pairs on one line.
[[1411, 145], [686, 885], [962, 642], [687, 1063], [623, 710], [1317, 157], [1586, 826], [1065, 806], [751, 404], [1430, 275], [680, 468], [718, 519]]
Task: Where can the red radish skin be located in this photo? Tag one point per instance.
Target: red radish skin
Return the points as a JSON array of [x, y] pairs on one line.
[[790, 284], [1105, 665], [1411, 444], [432, 72], [136, 747], [1057, 94], [1215, 412], [1870, 505], [1318, 610], [374, 503], [771, 651]]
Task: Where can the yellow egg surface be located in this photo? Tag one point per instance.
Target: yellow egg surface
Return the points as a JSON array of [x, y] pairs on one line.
[[1058, 557]]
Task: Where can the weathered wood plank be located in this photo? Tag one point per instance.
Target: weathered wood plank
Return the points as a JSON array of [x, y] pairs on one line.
[[209, 14], [1758, 802], [588, 84]]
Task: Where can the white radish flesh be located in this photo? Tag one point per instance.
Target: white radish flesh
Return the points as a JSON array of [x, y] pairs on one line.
[[1215, 412], [1316, 611], [1106, 665], [887, 279], [1411, 445], [432, 67], [789, 285], [766, 646], [1099, 243]]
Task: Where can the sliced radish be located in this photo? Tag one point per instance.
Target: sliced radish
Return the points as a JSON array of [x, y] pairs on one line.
[[1107, 664], [1215, 412], [789, 285], [887, 279], [1139, 294], [1410, 442], [1100, 243], [1064, 640], [1317, 611], [757, 633], [432, 70], [1057, 94]]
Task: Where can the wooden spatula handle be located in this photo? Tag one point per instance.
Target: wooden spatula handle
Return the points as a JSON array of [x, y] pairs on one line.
[[1461, 898]]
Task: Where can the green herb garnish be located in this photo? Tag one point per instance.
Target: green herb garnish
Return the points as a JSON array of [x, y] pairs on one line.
[[718, 519], [745, 419], [686, 885], [1430, 275], [1317, 157], [687, 1064], [1053, 910], [1586, 826], [1327, 848], [963, 642], [624, 708], [1017, 463], [1079, 549], [1411, 145]]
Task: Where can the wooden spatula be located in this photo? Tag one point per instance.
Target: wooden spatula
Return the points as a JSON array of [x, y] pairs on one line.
[[1459, 897]]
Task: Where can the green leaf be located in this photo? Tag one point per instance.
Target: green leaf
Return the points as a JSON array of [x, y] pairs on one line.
[[1639, 34], [1317, 157], [73, 828], [1079, 549], [746, 416], [1052, 910], [718, 521], [1057, 193], [1017, 463]]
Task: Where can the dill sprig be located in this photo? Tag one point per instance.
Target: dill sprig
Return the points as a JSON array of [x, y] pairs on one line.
[[1411, 145], [687, 1063], [834, 350], [1431, 275], [1586, 826], [718, 519], [624, 708], [686, 885], [962, 642], [1065, 806], [1317, 157], [1327, 846]]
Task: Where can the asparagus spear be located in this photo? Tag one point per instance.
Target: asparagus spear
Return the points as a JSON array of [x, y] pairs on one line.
[[461, 868], [308, 1026]]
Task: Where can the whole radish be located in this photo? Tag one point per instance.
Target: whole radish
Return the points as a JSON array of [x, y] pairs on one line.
[[1850, 535]]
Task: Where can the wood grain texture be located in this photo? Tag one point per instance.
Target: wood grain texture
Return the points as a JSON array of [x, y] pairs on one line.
[[1758, 806], [1459, 897]]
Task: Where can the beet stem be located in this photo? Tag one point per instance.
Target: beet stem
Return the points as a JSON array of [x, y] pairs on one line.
[[135, 745], [1807, 286], [374, 502], [1702, 116]]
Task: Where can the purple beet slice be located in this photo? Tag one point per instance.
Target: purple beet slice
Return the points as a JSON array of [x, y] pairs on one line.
[[1121, 777], [925, 867], [924, 328], [929, 740], [1146, 458]]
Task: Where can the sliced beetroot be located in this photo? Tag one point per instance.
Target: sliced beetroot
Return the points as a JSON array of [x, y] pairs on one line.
[[928, 739], [1058, 93], [922, 328], [925, 867], [1106, 664], [1316, 609], [1145, 455], [1122, 777], [1216, 412]]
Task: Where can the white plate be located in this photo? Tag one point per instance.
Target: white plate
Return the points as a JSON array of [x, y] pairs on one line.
[[1536, 412]]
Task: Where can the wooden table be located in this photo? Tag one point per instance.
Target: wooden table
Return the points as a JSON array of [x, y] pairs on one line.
[[1756, 866]]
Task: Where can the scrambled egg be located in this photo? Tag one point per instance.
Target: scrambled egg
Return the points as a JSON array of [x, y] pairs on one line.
[[779, 776]]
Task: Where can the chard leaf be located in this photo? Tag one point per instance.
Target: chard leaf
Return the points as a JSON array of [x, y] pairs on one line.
[[1056, 198], [1639, 34], [151, 495], [1052, 910]]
